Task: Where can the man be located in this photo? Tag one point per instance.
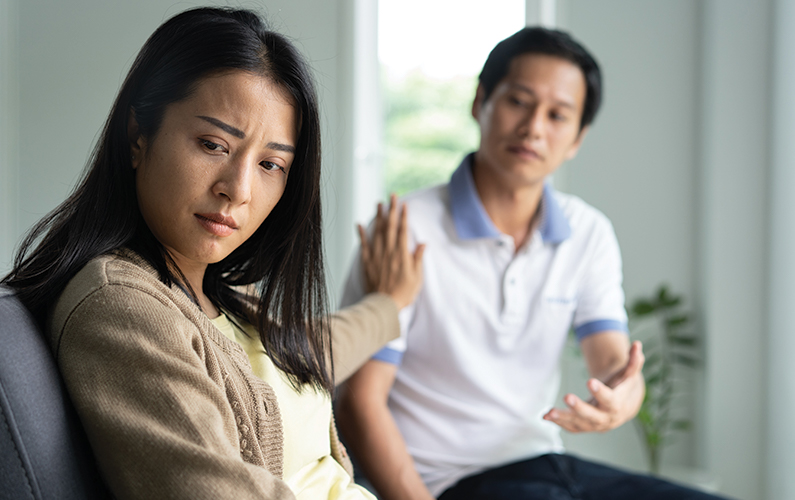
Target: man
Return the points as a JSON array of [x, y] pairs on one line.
[[459, 406]]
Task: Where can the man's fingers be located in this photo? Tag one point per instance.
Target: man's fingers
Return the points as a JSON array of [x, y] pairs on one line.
[[566, 423], [572, 420], [633, 366], [561, 418], [636, 359], [583, 410], [603, 396], [607, 407]]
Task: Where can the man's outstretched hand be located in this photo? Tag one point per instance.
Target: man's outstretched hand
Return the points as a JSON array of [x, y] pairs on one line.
[[613, 402]]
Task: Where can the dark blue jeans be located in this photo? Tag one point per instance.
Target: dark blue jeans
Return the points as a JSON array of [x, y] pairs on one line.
[[564, 477]]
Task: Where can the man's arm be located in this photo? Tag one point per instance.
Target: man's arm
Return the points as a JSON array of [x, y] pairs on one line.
[[370, 431], [617, 387]]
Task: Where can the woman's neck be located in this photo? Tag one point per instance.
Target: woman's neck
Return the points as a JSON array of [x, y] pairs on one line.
[[194, 277]]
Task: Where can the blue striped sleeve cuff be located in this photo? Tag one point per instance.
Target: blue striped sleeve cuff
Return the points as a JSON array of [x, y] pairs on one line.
[[388, 355], [601, 325]]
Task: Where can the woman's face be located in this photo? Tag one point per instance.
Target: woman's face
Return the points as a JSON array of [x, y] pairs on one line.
[[216, 167]]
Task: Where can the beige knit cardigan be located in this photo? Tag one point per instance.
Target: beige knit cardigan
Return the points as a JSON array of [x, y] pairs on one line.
[[170, 405]]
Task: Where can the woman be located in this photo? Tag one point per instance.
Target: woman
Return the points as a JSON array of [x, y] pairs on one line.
[[182, 278]]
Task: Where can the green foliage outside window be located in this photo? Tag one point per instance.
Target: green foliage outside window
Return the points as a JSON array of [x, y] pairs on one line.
[[428, 130]]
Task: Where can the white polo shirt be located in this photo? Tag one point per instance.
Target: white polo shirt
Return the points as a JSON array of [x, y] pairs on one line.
[[480, 347]]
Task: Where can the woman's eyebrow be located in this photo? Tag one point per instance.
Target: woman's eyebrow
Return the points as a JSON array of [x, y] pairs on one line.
[[281, 147], [242, 135], [224, 126]]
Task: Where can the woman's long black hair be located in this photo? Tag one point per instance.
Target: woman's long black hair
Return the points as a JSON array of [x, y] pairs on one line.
[[284, 256]]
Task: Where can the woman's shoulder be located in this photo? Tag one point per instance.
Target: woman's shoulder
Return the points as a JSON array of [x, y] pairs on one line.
[[119, 268], [117, 282]]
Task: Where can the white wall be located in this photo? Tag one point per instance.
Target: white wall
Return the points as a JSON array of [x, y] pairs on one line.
[[9, 129], [734, 238], [781, 291], [679, 160], [639, 164]]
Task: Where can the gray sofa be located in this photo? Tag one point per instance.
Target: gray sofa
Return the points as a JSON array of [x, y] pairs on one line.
[[43, 449]]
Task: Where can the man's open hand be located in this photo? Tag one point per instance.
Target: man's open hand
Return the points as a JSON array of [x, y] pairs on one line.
[[613, 402]]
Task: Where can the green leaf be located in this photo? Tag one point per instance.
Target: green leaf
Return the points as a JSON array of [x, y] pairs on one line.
[[652, 360], [651, 345], [654, 439], [665, 299], [645, 418], [684, 359], [653, 380], [642, 308], [681, 425], [675, 321], [683, 340]]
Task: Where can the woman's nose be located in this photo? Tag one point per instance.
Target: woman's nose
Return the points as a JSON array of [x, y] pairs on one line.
[[234, 182]]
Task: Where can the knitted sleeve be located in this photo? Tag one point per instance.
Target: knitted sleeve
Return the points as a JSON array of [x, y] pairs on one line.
[[152, 398], [358, 331]]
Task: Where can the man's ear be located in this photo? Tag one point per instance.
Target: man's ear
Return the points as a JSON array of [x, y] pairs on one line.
[[478, 102], [575, 147], [137, 142]]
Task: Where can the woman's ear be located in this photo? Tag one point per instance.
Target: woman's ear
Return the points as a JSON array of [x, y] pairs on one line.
[[137, 142]]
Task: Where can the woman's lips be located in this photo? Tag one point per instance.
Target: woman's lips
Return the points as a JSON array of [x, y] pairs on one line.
[[217, 224]]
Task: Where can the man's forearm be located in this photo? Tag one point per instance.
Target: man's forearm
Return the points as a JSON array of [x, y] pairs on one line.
[[373, 437], [385, 460]]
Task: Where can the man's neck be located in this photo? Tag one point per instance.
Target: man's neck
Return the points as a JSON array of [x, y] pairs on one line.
[[513, 209]]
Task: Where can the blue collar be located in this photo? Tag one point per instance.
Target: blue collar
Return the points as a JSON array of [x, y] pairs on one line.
[[471, 220]]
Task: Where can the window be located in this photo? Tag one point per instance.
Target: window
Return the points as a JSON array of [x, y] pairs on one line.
[[430, 53]]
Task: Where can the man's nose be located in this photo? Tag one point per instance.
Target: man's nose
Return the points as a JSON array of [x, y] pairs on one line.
[[533, 123]]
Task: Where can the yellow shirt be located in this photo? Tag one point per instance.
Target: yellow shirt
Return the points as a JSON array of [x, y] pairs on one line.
[[309, 469]]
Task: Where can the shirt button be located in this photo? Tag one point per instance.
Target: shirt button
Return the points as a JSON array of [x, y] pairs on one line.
[[500, 243]]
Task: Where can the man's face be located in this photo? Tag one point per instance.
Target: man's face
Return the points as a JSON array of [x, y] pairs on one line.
[[530, 124]]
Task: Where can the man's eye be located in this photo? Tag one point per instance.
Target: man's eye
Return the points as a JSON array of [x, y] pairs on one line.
[[270, 166]]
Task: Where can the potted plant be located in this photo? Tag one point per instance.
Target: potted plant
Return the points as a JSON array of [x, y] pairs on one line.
[[670, 343]]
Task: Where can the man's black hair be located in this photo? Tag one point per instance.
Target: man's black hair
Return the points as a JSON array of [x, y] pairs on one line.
[[556, 43]]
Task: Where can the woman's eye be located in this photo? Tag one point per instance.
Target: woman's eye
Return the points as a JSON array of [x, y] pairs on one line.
[[210, 145], [270, 166]]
